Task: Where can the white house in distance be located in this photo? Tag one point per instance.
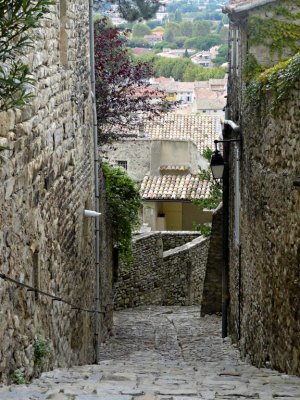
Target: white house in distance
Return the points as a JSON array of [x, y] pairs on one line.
[[204, 97], [164, 158], [202, 58]]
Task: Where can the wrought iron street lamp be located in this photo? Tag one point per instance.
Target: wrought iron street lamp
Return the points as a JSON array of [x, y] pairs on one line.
[[217, 161], [220, 170]]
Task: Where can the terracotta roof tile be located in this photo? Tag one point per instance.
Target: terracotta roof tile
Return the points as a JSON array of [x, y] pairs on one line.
[[202, 130], [174, 187], [173, 167]]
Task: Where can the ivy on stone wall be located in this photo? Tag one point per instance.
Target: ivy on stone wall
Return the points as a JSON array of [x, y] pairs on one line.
[[278, 29], [278, 81], [124, 202], [17, 19]]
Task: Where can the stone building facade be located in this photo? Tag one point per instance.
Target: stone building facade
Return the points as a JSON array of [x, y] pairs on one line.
[[264, 204], [47, 180]]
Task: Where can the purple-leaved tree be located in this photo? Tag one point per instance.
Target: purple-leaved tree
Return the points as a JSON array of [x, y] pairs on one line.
[[123, 96]]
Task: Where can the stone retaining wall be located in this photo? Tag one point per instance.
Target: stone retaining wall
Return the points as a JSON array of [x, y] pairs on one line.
[[176, 239], [166, 278], [212, 292]]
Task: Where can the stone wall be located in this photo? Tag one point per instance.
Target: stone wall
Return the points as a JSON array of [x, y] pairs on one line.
[[47, 181], [176, 239], [265, 263], [212, 291], [162, 277]]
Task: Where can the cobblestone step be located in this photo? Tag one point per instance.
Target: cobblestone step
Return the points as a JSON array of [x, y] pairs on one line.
[[162, 353]]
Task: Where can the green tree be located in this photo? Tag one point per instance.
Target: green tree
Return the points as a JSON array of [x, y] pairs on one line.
[[190, 73], [164, 44], [169, 36], [224, 34], [177, 16], [222, 56], [140, 30], [17, 21], [133, 10], [179, 41], [174, 27], [178, 68], [186, 29], [201, 28]]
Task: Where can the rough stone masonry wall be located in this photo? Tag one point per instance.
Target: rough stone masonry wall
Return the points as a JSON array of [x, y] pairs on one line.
[[176, 239], [212, 291], [167, 278], [46, 183], [270, 240], [265, 269]]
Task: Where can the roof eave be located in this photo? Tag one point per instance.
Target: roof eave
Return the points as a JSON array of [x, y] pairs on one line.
[[229, 9]]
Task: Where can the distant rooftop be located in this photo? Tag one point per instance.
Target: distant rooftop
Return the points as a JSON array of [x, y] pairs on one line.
[[174, 187], [202, 130]]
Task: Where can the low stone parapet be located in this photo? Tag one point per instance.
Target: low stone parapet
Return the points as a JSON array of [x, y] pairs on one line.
[[172, 277]]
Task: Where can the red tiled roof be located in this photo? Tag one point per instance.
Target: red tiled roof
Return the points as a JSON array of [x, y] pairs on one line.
[[138, 51], [174, 187], [201, 130]]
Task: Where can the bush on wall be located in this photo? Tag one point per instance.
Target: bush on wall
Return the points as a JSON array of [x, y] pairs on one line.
[[124, 203]]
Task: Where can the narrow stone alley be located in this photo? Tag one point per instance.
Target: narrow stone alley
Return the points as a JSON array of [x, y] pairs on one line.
[[162, 353]]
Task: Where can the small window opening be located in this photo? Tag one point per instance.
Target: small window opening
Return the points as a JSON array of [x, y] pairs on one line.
[[122, 164]]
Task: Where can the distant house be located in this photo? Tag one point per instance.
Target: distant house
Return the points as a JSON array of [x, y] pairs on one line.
[[162, 14], [209, 102], [139, 51], [175, 91], [153, 39], [164, 157], [202, 58], [204, 96], [167, 200], [174, 53]]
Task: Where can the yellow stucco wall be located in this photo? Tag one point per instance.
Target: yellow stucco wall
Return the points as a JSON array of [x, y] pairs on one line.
[[192, 213], [173, 213], [178, 216]]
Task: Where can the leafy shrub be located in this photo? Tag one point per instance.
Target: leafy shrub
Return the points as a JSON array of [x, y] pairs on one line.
[[124, 203], [18, 377], [41, 350]]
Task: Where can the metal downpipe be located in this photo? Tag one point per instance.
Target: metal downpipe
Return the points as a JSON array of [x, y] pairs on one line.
[[97, 189]]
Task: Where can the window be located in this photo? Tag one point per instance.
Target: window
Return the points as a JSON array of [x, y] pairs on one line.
[[122, 164]]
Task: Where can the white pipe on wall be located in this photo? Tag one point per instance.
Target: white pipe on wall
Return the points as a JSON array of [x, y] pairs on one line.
[[97, 189]]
